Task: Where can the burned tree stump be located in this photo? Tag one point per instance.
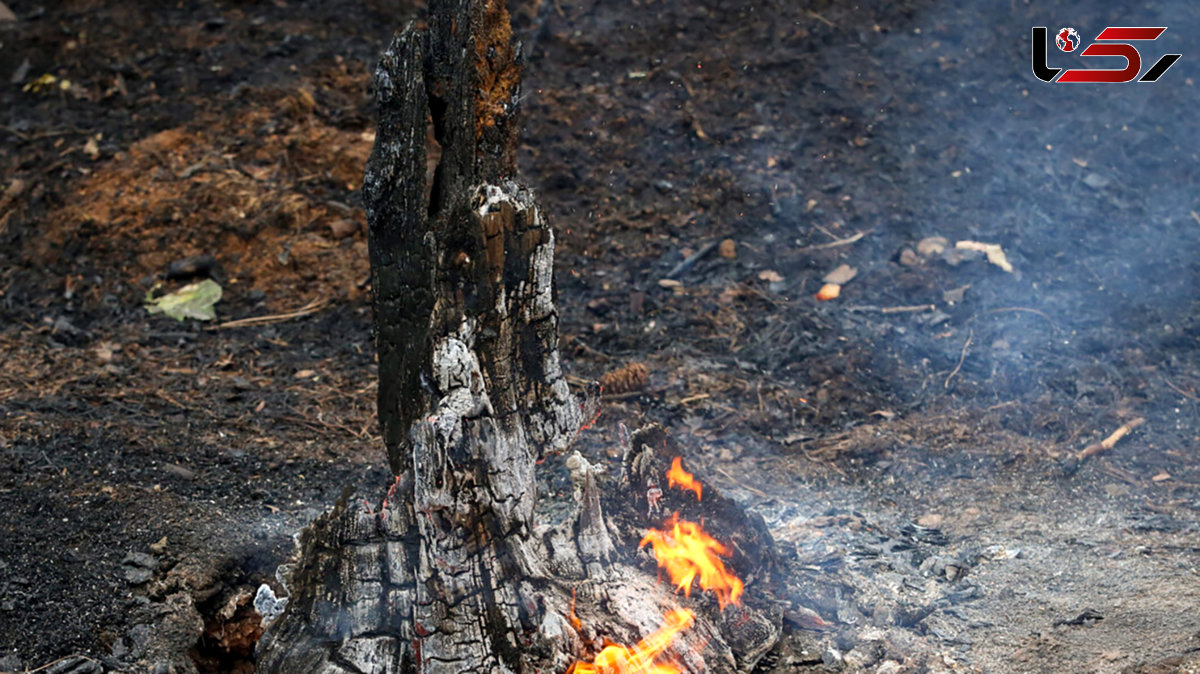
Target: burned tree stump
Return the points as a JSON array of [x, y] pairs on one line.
[[450, 572]]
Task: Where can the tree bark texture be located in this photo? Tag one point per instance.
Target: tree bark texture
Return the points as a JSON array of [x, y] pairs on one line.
[[450, 572]]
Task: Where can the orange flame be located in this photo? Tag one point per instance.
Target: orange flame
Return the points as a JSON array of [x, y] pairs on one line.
[[688, 554], [678, 477], [617, 659]]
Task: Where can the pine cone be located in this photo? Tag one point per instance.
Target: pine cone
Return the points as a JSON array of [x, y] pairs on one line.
[[632, 377]]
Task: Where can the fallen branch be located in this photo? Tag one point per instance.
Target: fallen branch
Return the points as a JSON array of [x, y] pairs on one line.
[[1168, 382], [73, 660], [1107, 443], [832, 244], [691, 260], [310, 308], [893, 310], [907, 309]]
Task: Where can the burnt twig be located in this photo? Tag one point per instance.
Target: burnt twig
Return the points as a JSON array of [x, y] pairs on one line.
[[961, 357], [1107, 443], [691, 260]]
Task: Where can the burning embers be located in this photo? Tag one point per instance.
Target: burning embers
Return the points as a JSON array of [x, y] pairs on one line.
[[689, 556], [678, 477], [617, 659]]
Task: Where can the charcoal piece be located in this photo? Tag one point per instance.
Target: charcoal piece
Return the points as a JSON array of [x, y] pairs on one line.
[[1087, 617], [191, 267]]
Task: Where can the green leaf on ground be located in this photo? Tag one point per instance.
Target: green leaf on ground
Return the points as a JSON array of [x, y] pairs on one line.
[[194, 300]]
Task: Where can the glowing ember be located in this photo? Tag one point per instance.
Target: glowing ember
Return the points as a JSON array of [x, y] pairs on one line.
[[688, 554], [678, 477], [575, 621], [641, 659]]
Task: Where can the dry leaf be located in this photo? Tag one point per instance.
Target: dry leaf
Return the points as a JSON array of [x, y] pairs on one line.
[[770, 276], [829, 291], [932, 245], [841, 275], [1162, 476], [995, 254], [909, 258]]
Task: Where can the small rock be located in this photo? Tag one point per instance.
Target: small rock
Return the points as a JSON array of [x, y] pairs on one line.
[[138, 576], [340, 229], [182, 472], [955, 295], [11, 663], [931, 520], [909, 258], [728, 249], [863, 655], [956, 256], [140, 559], [190, 267], [1096, 181], [64, 327], [841, 275], [160, 547], [18, 77], [889, 667], [1116, 490], [6, 14], [139, 567]]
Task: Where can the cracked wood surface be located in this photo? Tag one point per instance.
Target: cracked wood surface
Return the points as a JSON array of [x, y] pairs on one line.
[[452, 574]]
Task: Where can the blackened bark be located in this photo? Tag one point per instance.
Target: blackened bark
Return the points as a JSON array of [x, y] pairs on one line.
[[452, 574]]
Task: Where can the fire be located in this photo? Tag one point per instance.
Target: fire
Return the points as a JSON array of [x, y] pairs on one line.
[[641, 659], [689, 554], [678, 477]]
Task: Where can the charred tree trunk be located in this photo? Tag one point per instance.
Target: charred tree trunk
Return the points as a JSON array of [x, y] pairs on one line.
[[452, 574]]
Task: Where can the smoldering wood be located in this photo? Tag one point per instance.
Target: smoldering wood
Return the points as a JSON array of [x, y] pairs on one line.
[[452, 573]]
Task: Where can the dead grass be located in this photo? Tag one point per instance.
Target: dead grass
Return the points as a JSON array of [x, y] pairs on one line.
[[258, 188]]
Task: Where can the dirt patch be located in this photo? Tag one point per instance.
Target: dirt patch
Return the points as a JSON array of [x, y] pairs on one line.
[[257, 190]]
